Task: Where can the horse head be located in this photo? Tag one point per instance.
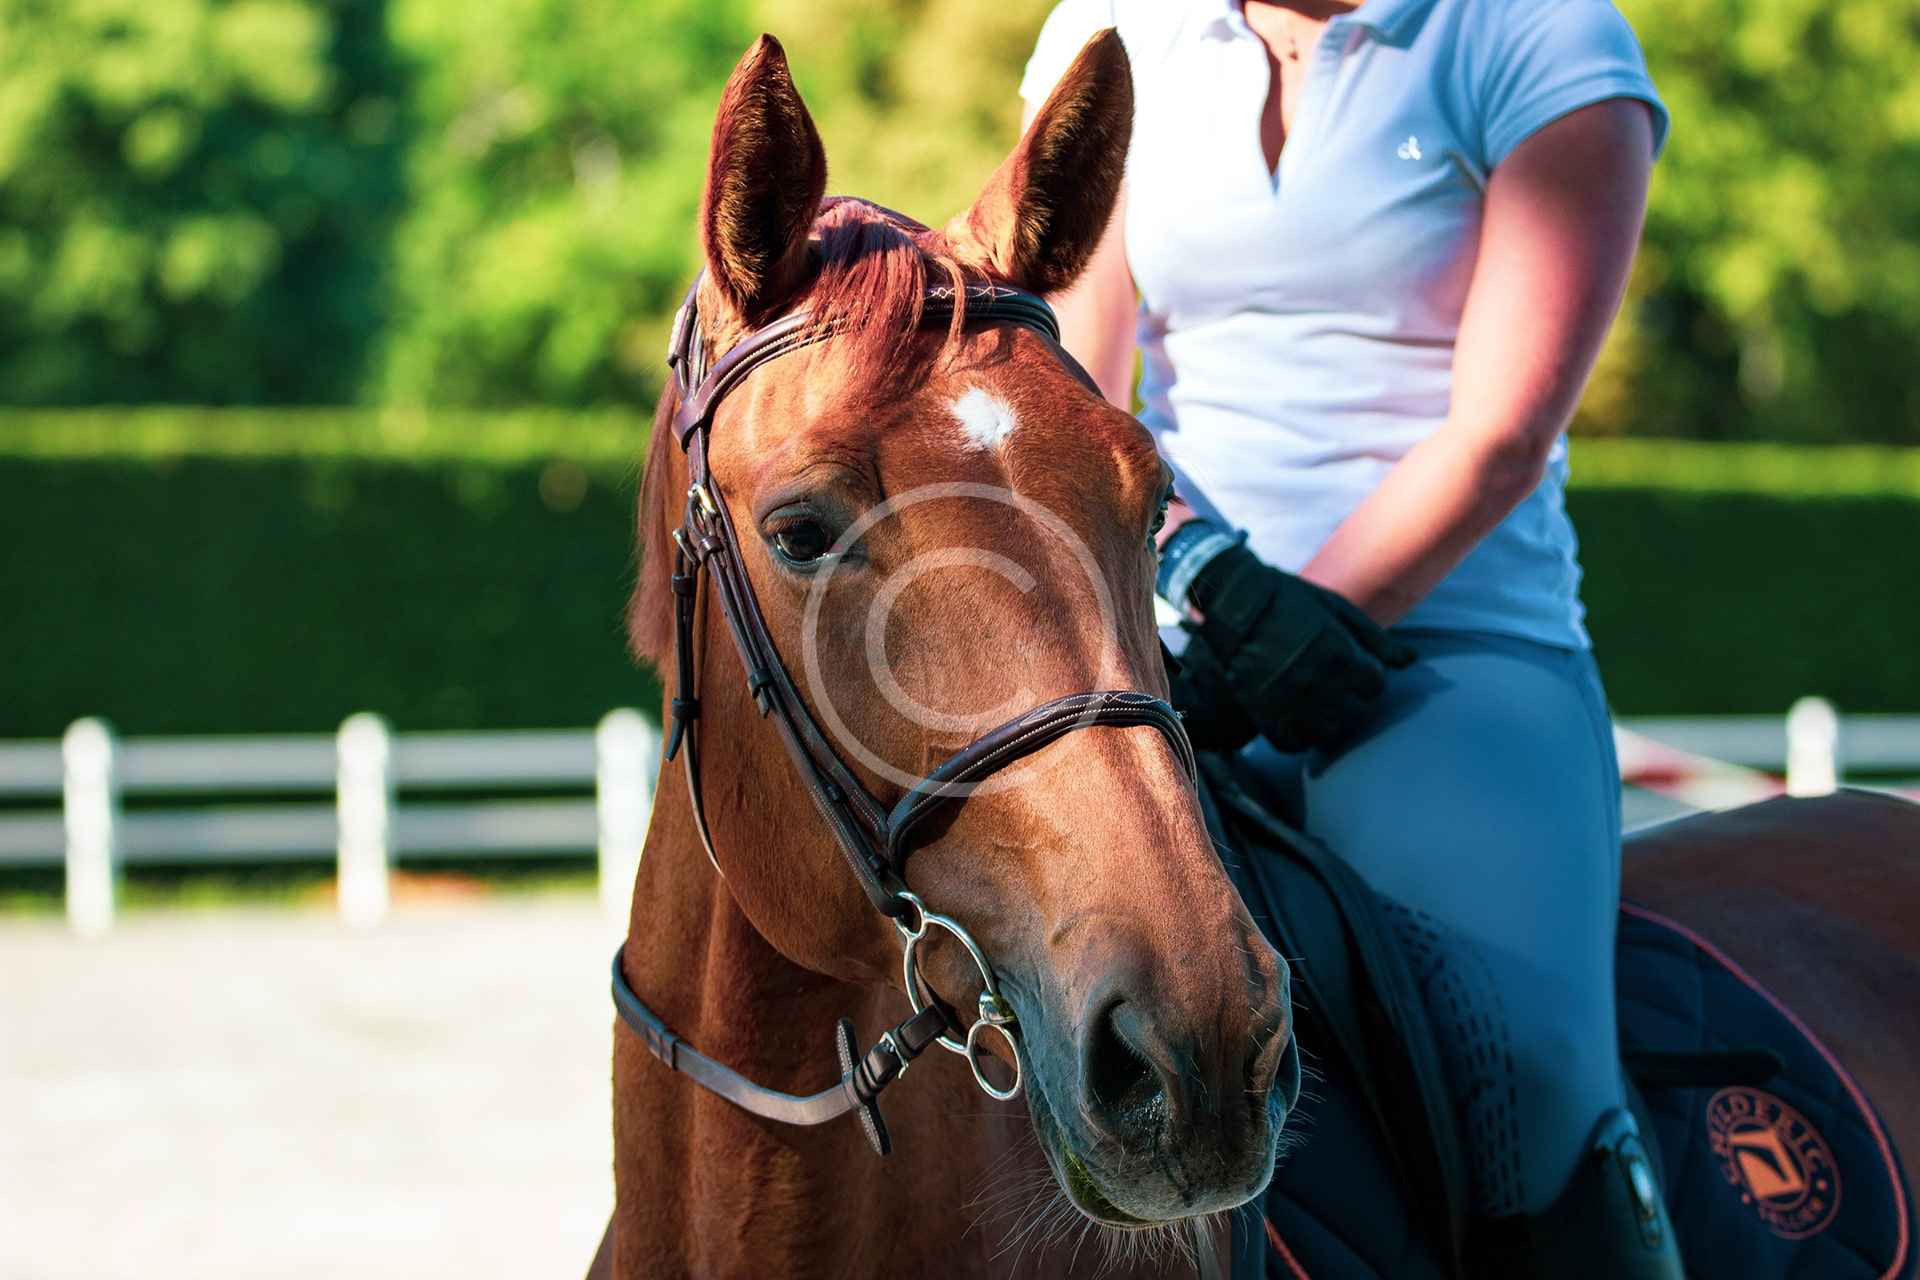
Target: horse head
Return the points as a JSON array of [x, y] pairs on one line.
[[944, 525]]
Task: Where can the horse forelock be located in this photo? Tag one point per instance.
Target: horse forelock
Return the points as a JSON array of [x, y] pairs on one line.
[[874, 269], [870, 268]]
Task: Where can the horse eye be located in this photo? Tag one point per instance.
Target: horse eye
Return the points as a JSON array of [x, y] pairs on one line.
[[1160, 516], [802, 542]]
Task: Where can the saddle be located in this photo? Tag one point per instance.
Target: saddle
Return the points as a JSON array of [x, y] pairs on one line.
[[1775, 1164]]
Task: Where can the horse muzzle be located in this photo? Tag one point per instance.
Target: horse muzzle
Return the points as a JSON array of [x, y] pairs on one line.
[[1147, 1118]]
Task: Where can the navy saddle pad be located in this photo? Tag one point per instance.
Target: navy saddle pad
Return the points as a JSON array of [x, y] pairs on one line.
[[1790, 1178], [1772, 1174]]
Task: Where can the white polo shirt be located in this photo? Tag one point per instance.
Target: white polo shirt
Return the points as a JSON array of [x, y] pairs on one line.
[[1297, 330]]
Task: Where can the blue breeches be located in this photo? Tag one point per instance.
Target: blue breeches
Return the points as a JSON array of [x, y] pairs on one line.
[[1483, 802]]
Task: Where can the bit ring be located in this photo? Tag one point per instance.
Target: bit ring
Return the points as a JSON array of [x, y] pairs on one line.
[[995, 1013]]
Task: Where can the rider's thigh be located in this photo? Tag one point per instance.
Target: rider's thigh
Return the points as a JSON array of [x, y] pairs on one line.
[[1484, 799], [1484, 792]]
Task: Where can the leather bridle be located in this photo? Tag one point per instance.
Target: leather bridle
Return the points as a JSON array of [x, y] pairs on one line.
[[874, 838]]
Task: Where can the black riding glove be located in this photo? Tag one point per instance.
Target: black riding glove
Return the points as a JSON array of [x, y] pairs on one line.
[[1207, 705], [1304, 663]]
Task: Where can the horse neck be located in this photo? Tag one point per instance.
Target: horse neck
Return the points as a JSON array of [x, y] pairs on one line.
[[705, 1188]]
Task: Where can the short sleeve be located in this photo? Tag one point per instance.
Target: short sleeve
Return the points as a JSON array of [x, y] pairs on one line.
[[1066, 31], [1558, 58]]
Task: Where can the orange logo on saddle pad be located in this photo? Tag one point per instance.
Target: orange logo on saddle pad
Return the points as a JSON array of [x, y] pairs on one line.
[[1774, 1157]]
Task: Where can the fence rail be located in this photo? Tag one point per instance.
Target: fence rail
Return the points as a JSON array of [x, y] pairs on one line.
[[367, 821], [1868, 744], [363, 771]]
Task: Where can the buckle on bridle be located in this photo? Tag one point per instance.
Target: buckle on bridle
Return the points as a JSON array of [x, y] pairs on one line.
[[893, 1047], [679, 340], [697, 493]]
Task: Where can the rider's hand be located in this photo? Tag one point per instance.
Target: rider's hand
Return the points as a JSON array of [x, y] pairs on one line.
[[1213, 715], [1304, 663]]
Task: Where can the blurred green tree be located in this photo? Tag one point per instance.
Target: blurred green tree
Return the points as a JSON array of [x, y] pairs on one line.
[[202, 200], [562, 147], [1776, 297], [554, 186], [195, 198], [1778, 289], [916, 99]]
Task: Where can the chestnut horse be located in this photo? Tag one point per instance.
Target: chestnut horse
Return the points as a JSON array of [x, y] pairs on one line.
[[1153, 1018]]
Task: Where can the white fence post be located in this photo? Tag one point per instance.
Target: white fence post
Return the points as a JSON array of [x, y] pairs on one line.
[[1813, 748], [626, 756], [364, 804], [91, 796]]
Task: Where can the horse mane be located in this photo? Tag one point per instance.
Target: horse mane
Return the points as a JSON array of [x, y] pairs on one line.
[[869, 291]]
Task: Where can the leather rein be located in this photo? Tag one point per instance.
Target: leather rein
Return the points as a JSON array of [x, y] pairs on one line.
[[874, 838]]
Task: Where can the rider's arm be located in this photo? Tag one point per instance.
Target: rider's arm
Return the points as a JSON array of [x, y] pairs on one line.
[[1096, 314], [1562, 218]]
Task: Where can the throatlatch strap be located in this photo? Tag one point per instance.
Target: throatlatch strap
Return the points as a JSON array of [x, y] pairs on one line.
[[861, 1078]]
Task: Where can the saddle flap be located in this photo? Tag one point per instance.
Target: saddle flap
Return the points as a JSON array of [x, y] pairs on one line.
[[1387, 1091]]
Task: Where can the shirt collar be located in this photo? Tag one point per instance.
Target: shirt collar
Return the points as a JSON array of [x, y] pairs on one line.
[[1391, 20]]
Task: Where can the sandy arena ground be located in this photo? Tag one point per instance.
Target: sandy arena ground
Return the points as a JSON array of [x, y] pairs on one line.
[[265, 1094]]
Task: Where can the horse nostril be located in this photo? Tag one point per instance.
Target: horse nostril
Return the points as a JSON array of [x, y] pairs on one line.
[[1119, 1079], [1287, 1078], [1274, 1056]]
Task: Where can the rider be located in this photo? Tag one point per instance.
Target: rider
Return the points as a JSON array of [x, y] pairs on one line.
[[1376, 248]]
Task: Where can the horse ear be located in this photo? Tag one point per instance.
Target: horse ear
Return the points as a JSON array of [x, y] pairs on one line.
[[766, 175], [1044, 210]]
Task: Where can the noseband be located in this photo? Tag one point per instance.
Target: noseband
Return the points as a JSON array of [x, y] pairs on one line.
[[874, 838]]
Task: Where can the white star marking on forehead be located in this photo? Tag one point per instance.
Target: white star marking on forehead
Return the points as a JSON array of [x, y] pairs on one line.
[[985, 419]]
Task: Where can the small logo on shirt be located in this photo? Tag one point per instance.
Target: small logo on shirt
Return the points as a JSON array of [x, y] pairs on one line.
[[1410, 149]]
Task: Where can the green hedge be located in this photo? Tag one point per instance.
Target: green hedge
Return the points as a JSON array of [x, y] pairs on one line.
[[285, 574], [207, 571], [1715, 603], [1725, 578]]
